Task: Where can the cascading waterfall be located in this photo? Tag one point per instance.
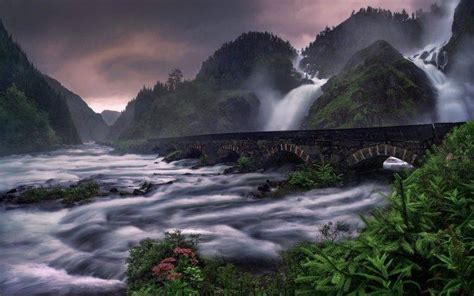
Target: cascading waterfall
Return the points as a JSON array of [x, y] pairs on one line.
[[453, 97], [288, 113]]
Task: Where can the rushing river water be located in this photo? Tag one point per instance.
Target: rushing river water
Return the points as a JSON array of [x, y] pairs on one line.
[[82, 250]]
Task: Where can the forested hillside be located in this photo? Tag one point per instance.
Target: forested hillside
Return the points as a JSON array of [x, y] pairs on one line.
[[16, 70]]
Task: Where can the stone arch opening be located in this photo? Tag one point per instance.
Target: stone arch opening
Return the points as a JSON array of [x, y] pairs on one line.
[[229, 153], [374, 157], [193, 152]]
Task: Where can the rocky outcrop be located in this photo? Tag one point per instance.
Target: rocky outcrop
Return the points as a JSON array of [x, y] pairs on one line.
[[377, 87], [460, 47]]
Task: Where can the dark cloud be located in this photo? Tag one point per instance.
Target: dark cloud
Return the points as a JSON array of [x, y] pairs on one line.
[[105, 50]]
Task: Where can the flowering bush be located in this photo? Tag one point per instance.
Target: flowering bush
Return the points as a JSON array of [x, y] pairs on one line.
[[159, 263]]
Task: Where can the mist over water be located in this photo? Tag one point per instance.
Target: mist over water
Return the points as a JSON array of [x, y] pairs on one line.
[[82, 250], [455, 95], [288, 112]]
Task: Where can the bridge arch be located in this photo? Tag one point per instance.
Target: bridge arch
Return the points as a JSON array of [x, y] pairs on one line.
[[289, 148], [381, 151], [194, 150]]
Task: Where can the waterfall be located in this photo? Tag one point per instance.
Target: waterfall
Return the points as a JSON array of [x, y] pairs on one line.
[[289, 112], [450, 103], [453, 97]]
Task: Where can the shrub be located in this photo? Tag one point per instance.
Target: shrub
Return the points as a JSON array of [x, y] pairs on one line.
[[164, 264], [69, 196], [421, 244], [315, 176], [203, 160], [245, 163]]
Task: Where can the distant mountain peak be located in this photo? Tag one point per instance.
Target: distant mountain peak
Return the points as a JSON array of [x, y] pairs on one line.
[[110, 116]]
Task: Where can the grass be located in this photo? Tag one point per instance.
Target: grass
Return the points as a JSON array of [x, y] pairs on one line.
[[317, 176], [245, 163], [69, 196]]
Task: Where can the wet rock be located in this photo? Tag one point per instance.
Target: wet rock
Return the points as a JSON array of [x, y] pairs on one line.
[[113, 190], [137, 192]]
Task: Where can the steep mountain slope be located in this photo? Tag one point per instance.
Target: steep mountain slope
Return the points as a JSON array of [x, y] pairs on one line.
[[332, 48], [90, 125], [220, 99], [23, 127], [15, 69], [110, 116], [123, 121], [460, 47], [263, 56], [377, 87]]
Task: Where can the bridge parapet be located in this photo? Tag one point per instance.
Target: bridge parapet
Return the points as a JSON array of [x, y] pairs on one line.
[[341, 147]]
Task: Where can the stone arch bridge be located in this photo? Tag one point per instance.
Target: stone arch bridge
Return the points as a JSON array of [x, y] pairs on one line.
[[343, 148]]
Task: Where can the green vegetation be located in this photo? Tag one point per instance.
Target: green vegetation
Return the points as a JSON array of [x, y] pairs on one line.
[[420, 244], [203, 160], [333, 47], [377, 87], [125, 146], [316, 176], [15, 69], [223, 98], [245, 163], [70, 196], [23, 128]]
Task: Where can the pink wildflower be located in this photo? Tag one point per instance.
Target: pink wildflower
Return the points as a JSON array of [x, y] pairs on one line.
[[162, 269], [172, 276]]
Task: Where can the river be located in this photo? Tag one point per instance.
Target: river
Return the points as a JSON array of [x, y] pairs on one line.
[[51, 250]]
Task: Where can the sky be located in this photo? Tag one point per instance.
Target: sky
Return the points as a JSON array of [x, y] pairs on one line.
[[107, 50]]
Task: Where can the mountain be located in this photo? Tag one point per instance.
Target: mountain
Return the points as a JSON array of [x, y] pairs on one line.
[[220, 99], [332, 48], [459, 47], [23, 126], [123, 122], [110, 116], [376, 87], [254, 54], [17, 71], [90, 125]]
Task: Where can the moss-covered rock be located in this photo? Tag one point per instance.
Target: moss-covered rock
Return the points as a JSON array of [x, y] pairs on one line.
[[377, 87]]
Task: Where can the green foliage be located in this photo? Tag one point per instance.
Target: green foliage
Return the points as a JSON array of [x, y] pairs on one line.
[[150, 253], [251, 53], [23, 127], [245, 163], [317, 176], [69, 196], [15, 69], [203, 160], [378, 87], [421, 244]]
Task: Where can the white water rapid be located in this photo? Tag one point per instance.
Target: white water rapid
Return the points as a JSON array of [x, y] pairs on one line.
[[455, 98], [51, 250], [289, 112]]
